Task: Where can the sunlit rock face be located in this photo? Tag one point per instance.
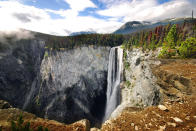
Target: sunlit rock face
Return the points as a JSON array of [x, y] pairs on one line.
[[72, 85], [139, 88]]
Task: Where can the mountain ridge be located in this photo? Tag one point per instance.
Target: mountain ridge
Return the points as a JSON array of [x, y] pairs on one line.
[[135, 26]]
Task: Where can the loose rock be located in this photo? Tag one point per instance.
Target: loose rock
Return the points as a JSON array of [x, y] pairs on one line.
[[150, 124], [136, 128], [176, 119], [4, 105], [187, 118], [171, 124], [94, 129], [162, 128], [162, 107], [84, 123]]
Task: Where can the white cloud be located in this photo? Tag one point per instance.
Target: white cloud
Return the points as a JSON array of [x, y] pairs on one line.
[[110, 3], [16, 15], [80, 5], [75, 7], [16, 35], [148, 10]]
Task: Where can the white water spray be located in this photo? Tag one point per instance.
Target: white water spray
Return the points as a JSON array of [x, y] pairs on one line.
[[115, 70]]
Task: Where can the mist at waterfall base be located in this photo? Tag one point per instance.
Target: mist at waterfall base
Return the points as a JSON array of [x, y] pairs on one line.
[[115, 69]]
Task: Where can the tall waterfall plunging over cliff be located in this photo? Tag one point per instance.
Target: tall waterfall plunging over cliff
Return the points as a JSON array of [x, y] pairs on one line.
[[115, 69]]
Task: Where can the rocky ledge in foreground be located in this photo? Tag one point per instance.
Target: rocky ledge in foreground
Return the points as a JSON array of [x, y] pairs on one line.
[[176, 111], [8, 114]]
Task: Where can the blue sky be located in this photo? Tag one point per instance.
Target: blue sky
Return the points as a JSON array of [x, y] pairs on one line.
[[61, 4], [62, 17]]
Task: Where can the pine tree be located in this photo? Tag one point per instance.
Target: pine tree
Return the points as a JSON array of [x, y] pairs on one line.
[[188, 48], [172, 37]]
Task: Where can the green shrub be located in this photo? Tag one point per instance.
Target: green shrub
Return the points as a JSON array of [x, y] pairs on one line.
[[127, 65], [127, 83], [166, 52], [145, 46], [46, 54], [159, 44], [20, 126], [124, 54], [152, 46], [123, 46], [188, 48], [40, 128]]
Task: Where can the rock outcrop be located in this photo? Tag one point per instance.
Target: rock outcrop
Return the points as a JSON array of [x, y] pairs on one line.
[[10, 114], [4, 105], [19, 67], [139, 88], [72, 85]]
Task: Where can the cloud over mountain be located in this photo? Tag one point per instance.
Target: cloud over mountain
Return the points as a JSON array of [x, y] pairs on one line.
[[102, 16]]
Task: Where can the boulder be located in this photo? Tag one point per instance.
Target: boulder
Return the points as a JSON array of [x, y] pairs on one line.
[[162, 107], [4, 105], [84, 123]]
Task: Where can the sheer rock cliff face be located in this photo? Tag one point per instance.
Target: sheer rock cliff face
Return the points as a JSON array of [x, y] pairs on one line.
[[73, 84], [64, 85], [19, 66]]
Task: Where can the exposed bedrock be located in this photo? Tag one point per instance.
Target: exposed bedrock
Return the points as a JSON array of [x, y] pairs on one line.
[[72, 85], [19, 66], [139, 88], [64, 85]]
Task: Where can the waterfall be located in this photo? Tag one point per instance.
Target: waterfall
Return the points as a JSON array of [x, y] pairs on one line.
[[115, 69]]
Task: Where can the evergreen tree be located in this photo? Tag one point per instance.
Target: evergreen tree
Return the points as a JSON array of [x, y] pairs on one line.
[[188, 48], [172, 37]]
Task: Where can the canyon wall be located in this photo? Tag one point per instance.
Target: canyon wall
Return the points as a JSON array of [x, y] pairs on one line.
[[66, 85], [19, 66], [70, 84]]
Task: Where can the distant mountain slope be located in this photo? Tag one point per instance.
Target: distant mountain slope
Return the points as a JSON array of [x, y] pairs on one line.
[[135, 26], [82, 32]]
